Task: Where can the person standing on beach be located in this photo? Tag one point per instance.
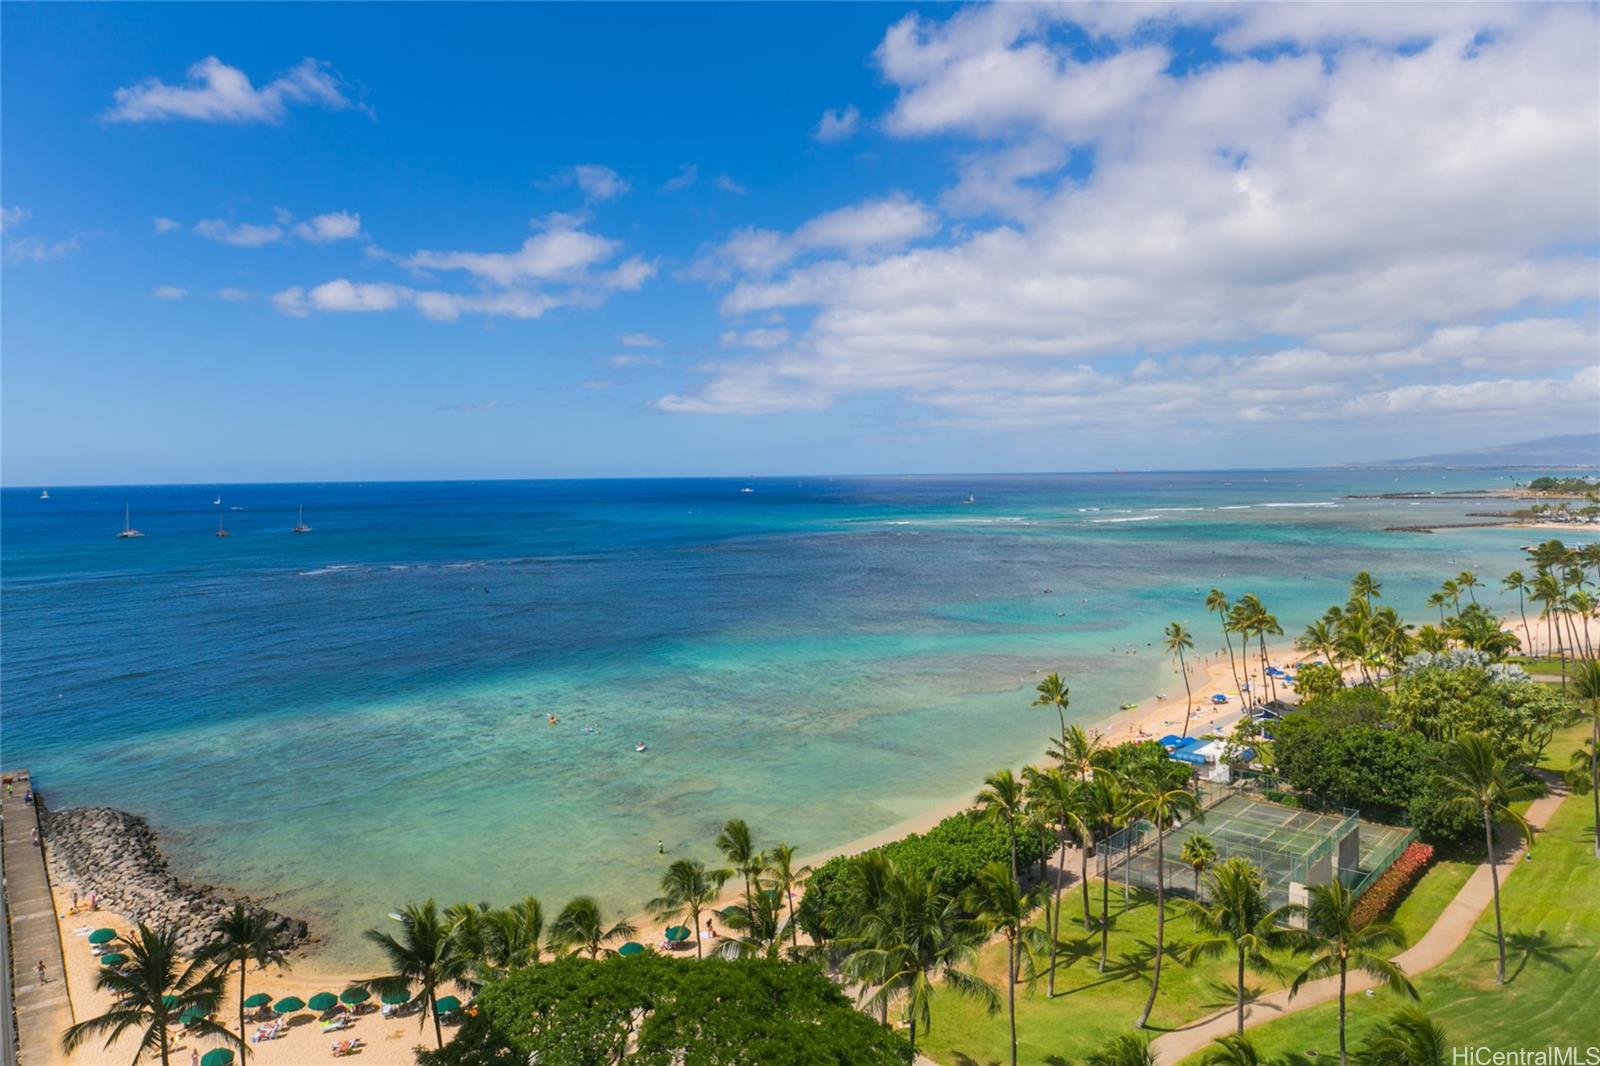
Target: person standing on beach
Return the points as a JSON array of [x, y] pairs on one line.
[[39, 969], [35, 838], [661, 847]]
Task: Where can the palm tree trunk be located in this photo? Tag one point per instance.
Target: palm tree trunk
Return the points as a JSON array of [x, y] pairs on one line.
[[433, 1009], [1522, 609], [1241, 992], [913, 1036], [1011, 824], [1188, 696], [1105, 917], [1233, 668], [1083, 880], [166, 1054], [243, 1043], [794, 927], [1161, 924], [1011, 991], [699, 949], [1344, 1057], [1494, 879], [1055, 919], [1594, 768]]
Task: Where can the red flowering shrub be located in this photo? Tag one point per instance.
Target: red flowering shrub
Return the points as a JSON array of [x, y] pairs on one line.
[[1396, 881]]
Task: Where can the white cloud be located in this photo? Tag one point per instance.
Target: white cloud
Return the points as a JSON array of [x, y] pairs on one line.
[[762, 339], [337, 226], [561, 265], [169, 292], [238, 234], [633, 359], [1335, 235], [686, 176], [857, 231], [12, 217], [727, 184], [231, 295], [837, 125], [599, 182], [639, 340], [216, 92], [35, 250], [165, 225]]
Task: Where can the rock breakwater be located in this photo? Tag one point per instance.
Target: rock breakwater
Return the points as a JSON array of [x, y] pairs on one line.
[[115, 854]]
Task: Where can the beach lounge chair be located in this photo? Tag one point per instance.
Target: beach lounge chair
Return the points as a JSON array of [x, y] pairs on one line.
[[341, 1048], [333, 1025]]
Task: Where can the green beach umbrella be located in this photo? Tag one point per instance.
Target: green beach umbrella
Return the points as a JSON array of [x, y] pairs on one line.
[[192, 1015], [728, 912], [355, 994], [446, 1004], [289, 1004], [260, 999], [632, 947], [217, 1056], [100, 936], [323, 1001], [678, 933], [394, 999], [115, 958]]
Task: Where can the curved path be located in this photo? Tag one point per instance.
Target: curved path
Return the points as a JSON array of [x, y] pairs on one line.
[[1448, 933]]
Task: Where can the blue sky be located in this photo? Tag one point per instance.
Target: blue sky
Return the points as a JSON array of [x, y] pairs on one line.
[[313, 242]]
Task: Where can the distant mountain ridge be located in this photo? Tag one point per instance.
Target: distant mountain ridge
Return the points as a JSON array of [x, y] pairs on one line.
[[1573, 450]]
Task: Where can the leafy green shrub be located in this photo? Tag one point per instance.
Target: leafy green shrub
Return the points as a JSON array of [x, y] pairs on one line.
[[577, 1012], [950, 854]]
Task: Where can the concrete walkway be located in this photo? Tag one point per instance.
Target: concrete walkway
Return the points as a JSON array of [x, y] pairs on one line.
[[1448, 933], [43, 1010]]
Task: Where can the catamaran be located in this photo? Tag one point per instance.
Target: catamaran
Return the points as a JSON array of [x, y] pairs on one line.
[[221, 531], [127, 527], [300, 526]]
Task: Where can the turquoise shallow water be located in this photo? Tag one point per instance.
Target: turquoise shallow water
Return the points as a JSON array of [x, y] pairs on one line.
[[356, 717]]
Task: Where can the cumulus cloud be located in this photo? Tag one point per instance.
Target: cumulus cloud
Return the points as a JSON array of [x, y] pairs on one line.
[[560, 265], [761, 339], [232, 295], [239, 234], [337, 226], [165, 225], [686, 176], [727, 184], [628, 359], [12, 217], [1340, 225], [216, 92], [837, 125], [639, 340], [169, 292], [856, 231]]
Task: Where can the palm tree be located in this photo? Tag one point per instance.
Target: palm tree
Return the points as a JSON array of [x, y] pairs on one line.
[[1080, 752], [1469, 581], [1586, 686], [580, 927], [1235, 1049], [1408, 1038], [759, 921], [1178, 640], [1217, 604], [686, 889], [1365, 588], [243, 937], [1239, 919], [737, 845], [1060, 799], [1002, 802], [1107, 806], [510, 937], [1438, 599], [785, 878], [1053, 693], [1124, 1050], [153, 992], [999, 904], [910, 943], [1515, 582], [424, 952], [1198, 852], [1335, 944], [1477, 778], [1161, 796], [1548, 595]]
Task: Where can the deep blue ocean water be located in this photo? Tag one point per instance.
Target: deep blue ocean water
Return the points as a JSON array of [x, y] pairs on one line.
[[356, 717]]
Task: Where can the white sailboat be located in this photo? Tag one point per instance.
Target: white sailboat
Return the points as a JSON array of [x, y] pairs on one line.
[[127, 526], [218, 501], [44, 494], [300, 525]]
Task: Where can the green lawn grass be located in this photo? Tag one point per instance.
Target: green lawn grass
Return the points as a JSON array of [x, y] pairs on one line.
[[1089, 1007], [1552, 994]]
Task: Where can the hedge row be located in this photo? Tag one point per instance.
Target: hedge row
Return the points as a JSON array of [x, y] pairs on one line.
[[1396, 881]]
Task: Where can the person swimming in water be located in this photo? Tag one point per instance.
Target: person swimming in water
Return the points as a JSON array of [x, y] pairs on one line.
[[553, 719], [639, 746]]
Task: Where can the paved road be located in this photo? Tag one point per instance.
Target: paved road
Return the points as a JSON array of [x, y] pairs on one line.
[[43, 1009]]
